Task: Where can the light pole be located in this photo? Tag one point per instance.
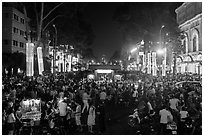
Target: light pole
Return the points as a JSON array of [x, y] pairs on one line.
[[55, 44], [65, 53], [161, 34]]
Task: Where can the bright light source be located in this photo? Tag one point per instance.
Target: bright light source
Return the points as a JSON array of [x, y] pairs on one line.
[[142, 42], [162, 26], [161, 51], [104, 71], [133, 50], [90, 76]]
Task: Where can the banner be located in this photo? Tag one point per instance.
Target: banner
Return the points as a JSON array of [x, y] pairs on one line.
[[149, 63], [69, 62], [31, 109], [40, 60], [154, 65], [164, 64], [29, 59]]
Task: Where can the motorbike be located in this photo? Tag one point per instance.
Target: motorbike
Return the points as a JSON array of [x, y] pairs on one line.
[[142, 122]]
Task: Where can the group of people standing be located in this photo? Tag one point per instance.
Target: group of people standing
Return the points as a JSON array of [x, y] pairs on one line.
[[82, 107]]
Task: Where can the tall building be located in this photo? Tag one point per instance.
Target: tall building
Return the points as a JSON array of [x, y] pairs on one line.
[[13, 30], [189, 18]]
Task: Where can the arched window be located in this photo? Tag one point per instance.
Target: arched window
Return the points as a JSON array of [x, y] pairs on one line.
[[184, 46], [189, 48], [194, 43]]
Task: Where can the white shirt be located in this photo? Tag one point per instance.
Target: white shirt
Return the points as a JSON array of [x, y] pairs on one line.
[[85, 96], [164, 116], [149, 106], [135, 94], [184, 114], [62, 108], [173, 103]]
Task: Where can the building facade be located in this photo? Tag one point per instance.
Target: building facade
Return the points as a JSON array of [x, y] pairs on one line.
[[13, 30], [189, 18]]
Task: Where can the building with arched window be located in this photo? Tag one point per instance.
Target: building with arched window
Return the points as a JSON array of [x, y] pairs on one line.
[[189, 18]]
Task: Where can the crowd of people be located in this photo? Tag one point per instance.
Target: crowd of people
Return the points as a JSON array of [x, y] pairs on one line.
[[70, 106]]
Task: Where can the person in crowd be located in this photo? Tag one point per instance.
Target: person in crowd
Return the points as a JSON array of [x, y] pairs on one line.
[[91, 118], [11, 120], [165, 117], [103, 95], [62, 106], [18, 115], [85, 99], [101, 117], [78, 117]]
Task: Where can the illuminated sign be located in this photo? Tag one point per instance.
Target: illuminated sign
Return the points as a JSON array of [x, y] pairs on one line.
[[40, 60], [149, 63], [104, 71], [154, 65], [90, 76], [29, 59], [69, 62], [31, 109]]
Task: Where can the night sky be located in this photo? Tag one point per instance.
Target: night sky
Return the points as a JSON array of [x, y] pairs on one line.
[[107, 35], [108, 38]]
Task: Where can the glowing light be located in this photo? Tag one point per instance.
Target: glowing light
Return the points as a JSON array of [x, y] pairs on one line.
[[133, 50], [161, 51], [90, 76], [104, 71], [142, 42]]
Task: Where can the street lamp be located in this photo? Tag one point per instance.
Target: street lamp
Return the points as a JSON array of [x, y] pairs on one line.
[[54, 49], [160, 33]]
